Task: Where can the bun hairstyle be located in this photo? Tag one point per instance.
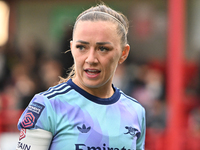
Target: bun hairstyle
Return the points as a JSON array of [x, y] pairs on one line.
[[102, 12]]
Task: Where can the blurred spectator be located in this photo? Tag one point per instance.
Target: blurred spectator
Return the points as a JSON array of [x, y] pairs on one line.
[[193, 130], [8, 58], [65, 55], [121, 77], [156, 117], [4, 69], [24, 85], [194, 121], [146, 84], [49, 72]]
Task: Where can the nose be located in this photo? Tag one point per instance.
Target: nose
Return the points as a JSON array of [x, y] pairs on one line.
[[91, 56]]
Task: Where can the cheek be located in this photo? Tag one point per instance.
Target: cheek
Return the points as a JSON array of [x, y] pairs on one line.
[[113, 62], [76, 56], [78, 61], [116, 58]]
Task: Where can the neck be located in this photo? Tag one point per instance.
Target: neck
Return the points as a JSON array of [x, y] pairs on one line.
[[101, 92], [105, 91]]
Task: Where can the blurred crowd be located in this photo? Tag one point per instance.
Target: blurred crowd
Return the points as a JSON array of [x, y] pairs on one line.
[[27, 69]]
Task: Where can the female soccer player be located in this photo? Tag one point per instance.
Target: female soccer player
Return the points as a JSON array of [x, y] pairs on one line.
[[85, 111]]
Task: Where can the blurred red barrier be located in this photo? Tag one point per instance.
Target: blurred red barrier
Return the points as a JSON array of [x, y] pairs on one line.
[[9, 119]]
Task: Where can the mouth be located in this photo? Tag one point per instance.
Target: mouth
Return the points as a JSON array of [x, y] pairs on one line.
[[92, 72]]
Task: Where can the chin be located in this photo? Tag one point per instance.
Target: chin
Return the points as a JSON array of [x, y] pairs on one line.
[[94, 84]]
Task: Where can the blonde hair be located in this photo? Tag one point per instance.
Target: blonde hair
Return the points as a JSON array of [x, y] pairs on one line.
[[103, 13]]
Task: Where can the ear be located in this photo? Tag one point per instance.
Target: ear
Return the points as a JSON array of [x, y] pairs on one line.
[[125, 53], [71, 43]]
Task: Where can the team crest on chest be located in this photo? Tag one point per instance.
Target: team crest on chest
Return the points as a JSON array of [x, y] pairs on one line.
[[132, 131]]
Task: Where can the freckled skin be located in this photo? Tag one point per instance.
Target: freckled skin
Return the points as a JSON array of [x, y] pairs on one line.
[[88, 39]]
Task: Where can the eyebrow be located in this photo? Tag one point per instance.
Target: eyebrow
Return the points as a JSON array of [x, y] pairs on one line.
[[102, 43], [98, 43], [83, 42]]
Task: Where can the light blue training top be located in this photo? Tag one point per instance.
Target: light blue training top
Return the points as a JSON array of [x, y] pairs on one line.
[[81, 121]]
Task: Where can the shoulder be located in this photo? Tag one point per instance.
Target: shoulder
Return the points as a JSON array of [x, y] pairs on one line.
[[42, 110], [54, 96], [132, 102], [57, 90]]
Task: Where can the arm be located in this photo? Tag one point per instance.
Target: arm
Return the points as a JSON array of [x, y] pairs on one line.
[[141, 140], [35, 125], [36, 139]]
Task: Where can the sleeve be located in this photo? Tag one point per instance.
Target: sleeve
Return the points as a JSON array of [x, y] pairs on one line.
[[36, 139], [141, 141], [38, 115]]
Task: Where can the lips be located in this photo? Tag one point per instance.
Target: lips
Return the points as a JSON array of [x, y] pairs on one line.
[[92, 72]]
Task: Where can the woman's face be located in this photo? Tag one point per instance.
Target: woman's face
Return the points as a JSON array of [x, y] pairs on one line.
[[97, 51]]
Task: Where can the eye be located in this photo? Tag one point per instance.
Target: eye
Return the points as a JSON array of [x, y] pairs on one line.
[[80, 47], [103, 48]]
